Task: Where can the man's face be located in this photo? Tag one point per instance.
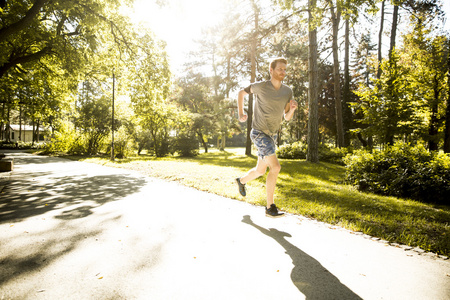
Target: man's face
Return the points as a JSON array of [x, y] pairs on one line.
[[279, 72]]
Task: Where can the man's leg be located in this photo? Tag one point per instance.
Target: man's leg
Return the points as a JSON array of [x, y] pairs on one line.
[[259, 170], [271, 181]]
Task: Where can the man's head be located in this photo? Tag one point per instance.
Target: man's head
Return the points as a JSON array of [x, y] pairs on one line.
[[277, 68]]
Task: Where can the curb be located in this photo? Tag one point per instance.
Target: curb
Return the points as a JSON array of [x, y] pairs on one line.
[[409, 250]]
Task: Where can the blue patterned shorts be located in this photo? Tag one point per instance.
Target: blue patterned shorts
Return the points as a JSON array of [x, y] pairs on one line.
[[263, 142]]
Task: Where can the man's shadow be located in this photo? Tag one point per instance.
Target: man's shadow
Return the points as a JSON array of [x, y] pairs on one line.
[[308, 275]]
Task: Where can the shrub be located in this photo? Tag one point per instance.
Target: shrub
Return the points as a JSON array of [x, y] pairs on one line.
[[333, 155], [122, 144], [186, 145], [21, 145], [402, 171], [295, 150], [298, 150]]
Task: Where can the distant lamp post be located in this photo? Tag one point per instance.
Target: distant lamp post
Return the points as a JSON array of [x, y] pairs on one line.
[[112, 120]]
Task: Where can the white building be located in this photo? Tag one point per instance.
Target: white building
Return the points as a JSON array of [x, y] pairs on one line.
[[25, 136]]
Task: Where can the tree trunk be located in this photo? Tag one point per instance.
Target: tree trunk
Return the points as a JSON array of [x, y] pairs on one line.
[[313, 113], [248, 148], [224, 141], [8, 124], [380, 38], [389, 138], [37, 131], [202, 140], [346, 111], [20, 122], [336, 76], [447, 110], [393, 30]]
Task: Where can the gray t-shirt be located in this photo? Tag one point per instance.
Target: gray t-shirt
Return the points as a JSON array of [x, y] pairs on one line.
[[269, 106]]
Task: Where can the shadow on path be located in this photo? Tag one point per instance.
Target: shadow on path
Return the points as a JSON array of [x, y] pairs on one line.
[[73, 195], [41, 188], [308, 275]]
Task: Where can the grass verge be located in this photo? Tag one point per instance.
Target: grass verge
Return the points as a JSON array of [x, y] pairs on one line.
[[312, 190]]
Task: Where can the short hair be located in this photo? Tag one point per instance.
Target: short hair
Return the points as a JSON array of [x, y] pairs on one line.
[[273, 63]]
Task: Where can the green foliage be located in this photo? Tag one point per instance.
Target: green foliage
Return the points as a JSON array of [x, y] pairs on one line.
[[386, 108], [21, 145], [94, 121], [402, 171], [122, 143], [62, 139], [186, 145], [298, 150], [333, 154], [78, 145]]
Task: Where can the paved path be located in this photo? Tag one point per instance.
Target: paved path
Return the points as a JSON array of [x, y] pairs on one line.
[[73, 230]]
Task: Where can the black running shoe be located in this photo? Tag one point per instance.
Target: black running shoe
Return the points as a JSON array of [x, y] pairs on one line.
[[241, 187], [273, 212]]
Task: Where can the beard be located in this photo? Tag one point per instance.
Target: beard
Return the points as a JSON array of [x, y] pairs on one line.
[[278, 77]]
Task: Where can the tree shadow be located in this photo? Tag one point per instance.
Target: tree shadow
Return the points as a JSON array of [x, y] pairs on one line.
[[75, 196], [42, 254], [68, 197], [308, 275]]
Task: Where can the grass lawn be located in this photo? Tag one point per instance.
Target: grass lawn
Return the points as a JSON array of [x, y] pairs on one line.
[[313, 190]]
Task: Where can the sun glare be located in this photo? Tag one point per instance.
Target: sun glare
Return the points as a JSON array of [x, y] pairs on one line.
[[179, 23]]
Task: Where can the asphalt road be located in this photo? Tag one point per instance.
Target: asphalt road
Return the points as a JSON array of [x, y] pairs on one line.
[[74, 230]]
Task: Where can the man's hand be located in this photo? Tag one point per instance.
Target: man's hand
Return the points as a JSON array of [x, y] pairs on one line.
[[290, 109], [293, 105], [242, 118]]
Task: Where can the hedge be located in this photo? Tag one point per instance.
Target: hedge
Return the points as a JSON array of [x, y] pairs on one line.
[[403, 171]]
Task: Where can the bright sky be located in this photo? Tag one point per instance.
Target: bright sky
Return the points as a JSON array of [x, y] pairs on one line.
[[179, 23], [446, 8]]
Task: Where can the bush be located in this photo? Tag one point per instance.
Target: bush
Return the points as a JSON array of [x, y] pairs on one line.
[[64, 139], [186, 145], [21, 145], [298, 150], [333, 155], [122, 144], [295, 150], [401, 171]]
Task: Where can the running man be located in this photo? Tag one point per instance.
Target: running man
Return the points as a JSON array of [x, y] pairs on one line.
[[273, 100]]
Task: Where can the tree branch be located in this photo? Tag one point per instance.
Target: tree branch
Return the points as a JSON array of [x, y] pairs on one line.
[[24, 59], [24, 22]]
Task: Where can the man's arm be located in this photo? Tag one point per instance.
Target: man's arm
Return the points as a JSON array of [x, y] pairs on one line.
[[290, 109], [242, 115]]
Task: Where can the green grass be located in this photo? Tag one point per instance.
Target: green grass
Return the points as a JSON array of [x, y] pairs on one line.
[[312, 190]]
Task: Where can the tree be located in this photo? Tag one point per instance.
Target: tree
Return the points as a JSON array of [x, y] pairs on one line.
[[313, 118], [195, 98], [447, 109], [335, 20], [32, 30], [426, 55], [92, 120], [148, 87]]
